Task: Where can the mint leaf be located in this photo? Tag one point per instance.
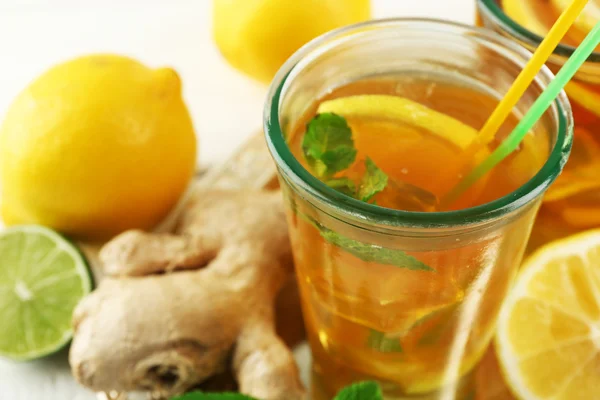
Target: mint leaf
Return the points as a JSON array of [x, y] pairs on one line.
[[212, 396], [343, 185], [327, 144], [361, 391], [357, 391], [372, 253], [378, 341], [364, 251], [373, 182]]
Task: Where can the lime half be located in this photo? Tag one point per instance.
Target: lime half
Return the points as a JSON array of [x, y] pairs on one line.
[[42, 278]]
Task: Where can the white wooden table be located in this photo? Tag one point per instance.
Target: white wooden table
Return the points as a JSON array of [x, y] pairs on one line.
[[226, 106]]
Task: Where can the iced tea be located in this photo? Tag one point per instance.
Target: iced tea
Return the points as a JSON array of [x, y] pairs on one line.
[[369, 127], [371, 320]]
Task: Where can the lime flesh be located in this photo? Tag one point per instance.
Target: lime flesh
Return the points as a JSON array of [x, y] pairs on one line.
[[42, 278]]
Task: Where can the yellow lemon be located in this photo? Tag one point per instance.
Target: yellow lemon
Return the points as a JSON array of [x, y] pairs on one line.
[[95, 146], [548, 338], [257, 36]]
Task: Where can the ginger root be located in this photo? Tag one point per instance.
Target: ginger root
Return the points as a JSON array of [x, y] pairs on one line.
[[178, 308]]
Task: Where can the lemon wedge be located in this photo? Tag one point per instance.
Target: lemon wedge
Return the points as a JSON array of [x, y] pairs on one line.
[[402, 110], [548, 338]]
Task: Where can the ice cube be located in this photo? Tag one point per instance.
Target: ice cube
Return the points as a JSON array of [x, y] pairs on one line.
[[404, 196]]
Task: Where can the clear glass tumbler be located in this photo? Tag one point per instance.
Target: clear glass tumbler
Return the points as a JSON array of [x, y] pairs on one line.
[[417, 331]]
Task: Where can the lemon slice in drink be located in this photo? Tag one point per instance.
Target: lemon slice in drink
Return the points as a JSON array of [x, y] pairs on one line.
[[548, 338], [42, 278], [403, 110]]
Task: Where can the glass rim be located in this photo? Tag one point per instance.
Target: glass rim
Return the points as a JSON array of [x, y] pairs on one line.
[[495, 11], [287, 163]]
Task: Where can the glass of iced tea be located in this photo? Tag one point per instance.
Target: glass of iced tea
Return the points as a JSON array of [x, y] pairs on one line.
[[573, 203], [368, 125]]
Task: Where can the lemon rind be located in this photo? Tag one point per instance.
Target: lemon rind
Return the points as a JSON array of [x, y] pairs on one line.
[[579, 245]]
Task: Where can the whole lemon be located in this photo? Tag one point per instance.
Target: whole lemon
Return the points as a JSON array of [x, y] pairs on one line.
[[95, 146], [257, 36]]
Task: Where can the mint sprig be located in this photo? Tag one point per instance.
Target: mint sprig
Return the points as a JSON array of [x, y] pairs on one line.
[[364, 251], [328, 148], [328, 145], [357, 391], [373, 182], [361, 391], [371, 252]]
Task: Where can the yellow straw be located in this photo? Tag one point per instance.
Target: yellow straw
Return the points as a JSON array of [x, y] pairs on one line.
[[520, 85], [518, 88]]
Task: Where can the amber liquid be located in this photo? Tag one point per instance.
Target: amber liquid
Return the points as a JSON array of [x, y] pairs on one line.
[[437, 324], [573, 202]]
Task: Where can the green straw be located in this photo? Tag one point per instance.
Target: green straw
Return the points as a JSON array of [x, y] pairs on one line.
[[511, 143]]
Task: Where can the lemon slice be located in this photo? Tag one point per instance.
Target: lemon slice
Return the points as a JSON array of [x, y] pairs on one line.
[[405, 111], [548, 337]]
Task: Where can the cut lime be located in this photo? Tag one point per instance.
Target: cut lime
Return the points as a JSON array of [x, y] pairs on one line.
[[42, 278]]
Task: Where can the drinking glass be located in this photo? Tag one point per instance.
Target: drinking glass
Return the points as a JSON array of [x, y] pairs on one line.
[[408, 299]]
